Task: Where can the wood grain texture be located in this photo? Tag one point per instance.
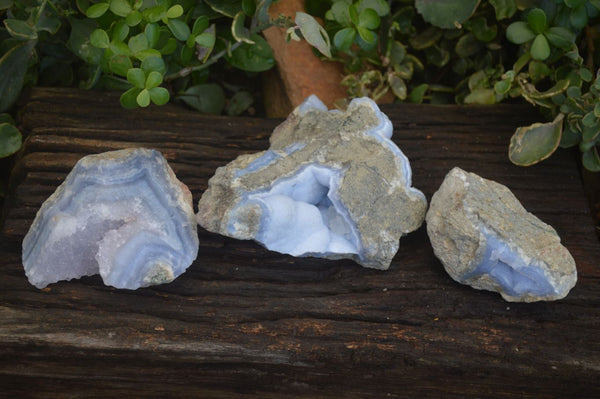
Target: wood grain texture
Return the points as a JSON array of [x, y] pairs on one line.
[[247, 322]]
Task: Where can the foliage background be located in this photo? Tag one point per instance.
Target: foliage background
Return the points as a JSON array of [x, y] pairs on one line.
[[207, 54]]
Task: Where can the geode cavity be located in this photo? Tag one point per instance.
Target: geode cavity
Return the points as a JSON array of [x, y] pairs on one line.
[[332, 185], [121, 214]]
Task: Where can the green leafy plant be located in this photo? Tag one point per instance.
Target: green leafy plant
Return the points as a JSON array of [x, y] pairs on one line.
[[436, 51], [152, 50], [479, 52]]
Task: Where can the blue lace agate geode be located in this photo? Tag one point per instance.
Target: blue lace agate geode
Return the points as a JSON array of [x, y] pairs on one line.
[[332, 184], [122, 214], [486, 239]]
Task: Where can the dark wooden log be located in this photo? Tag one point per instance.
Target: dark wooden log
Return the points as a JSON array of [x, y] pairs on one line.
[[246, 322]]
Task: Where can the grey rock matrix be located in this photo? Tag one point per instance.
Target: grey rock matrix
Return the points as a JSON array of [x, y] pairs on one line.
[[486, 239]]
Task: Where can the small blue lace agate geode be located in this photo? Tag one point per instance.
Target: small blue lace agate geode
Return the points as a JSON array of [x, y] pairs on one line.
[[332, 184], [486, 239], [121, 214]]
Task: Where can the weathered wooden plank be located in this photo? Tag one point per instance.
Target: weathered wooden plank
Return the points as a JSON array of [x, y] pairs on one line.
[[247, 322]]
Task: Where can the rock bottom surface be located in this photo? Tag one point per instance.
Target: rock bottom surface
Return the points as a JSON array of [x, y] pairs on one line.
[[332, 184], [121, 214], [486, 239]]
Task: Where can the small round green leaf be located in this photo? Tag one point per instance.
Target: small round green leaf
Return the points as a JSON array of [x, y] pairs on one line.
[[340, 13], [418, 93], [504, 8], [397, 52], [207, 98], [153, 80], [369, 19], [147, 53], [99, 38], [540, 49], [136, 77], [579, 17], [118, 47], [200, 25], [154, 14], [128, 99], [134, 18], [97, 10], [169, 47], [152, 32], [590, 120], [120, 64], [426, 38], [597, 109], [447, 14], [10, 139], [256, 57], [481, 96], [574, 92], [344, 38], [560, 37], [536, 19], [175, 11], [121, 8], [381, 7], [154, 64], [586, 75], [502, 86], [538, 70], [143, 98], [138, 43], [532, 144], [591, 160], [159, 95], [205, 40], [519, 33], [482, 31], [467, 45], [120, 31], [179, 29], [367, 35], [239, 103], [398, 86]]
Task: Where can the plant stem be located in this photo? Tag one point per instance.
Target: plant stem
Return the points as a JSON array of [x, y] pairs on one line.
[[255, 28], [188, 70]]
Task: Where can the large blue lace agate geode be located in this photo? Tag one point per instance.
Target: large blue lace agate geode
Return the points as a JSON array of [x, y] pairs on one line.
[[332, 184], [122, 214]]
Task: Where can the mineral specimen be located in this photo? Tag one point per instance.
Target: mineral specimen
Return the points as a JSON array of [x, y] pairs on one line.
[[332, 185], [486, 239], [122, 214]]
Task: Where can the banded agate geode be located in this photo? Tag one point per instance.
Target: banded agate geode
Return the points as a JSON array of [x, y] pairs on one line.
[[332, 185], [121, 214]]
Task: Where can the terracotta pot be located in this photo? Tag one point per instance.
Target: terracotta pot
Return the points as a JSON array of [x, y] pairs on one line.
[[299, 72]]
